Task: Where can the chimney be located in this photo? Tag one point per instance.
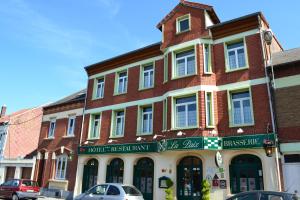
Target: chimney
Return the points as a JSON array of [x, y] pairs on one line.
[[3, 111]]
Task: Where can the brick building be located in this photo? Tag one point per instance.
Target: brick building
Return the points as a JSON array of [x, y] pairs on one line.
[[194, 106], [285, 73], [19, 134], [57, 146]]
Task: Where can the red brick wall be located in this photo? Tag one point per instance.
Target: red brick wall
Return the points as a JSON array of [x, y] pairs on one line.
[[23, 133], [54, 145], [197, 27]]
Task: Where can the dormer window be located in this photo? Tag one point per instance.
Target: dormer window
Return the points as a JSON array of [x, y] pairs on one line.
[[183, 23]]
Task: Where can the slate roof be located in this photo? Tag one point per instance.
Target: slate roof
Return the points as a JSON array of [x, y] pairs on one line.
[[285, 57], [77, 96]]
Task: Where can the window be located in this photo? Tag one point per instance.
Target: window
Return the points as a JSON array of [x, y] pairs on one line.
[[165, 109], [99, 88], [147, 76], [292, 158], [186, 112], [119, 123], [131, 191], [207, 59], [98, 190], [71, 126], [122, 83], [241, 108], [166, 68], [95, 129], [113, 190], [183, 23], [209, 109], [185, 63], [271, 197], [61, 167], [52, 128], [146, 120], [236, 55]]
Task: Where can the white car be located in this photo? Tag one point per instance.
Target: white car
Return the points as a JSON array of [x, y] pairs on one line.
[[111, 191]]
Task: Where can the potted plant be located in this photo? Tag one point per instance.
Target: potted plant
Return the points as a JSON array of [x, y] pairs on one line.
[[169, 191], [205, 190]]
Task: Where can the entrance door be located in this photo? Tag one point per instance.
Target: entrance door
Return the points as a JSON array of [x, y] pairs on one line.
[[143, 177], [90, 174], [189, 178], [245, 174]]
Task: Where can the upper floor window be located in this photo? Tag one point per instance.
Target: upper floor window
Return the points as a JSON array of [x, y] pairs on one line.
[[95, 128], [52, 128], [185, 63], [183, 24], [186, 112], [241, 104], [122, 83], [147, 76], [146, 120], [61, 167], [207, 58], [119, 123], [236, 57], [71, 125], [166, 68], [99, 88], [209, 109]]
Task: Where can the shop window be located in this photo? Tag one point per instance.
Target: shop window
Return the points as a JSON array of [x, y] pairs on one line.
[[115, 171], [246, 174], [292, 158], [189, 178]]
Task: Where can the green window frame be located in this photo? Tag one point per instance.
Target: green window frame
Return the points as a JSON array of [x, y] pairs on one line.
[[147, 76], [99, 84], [209, 109], [145, 111], [207, 58], [182, 22], [95, 126], [121, 82], [166, 57], [118, 121]]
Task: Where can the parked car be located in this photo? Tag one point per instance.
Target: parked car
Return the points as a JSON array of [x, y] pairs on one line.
[[111, 191], [16, 189], [263, 195]]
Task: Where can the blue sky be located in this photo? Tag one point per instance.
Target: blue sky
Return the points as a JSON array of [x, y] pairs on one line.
[[44, 45]]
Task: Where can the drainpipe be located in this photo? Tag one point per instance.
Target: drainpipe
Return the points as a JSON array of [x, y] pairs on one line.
[[270, 102], [83, 115]]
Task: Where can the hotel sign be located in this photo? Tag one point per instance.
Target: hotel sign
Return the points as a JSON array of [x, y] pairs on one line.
[[119, 148], [246, 141]]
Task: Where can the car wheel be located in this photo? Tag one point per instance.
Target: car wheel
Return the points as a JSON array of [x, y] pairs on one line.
[[15, 197]]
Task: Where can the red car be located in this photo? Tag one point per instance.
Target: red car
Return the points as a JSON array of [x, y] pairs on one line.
[[16, 189]]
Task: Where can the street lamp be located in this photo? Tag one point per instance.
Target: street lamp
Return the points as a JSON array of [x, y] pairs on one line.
[[268, 36]]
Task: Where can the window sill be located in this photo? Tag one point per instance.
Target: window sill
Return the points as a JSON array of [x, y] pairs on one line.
[[97, 98], [208, 73], [234, 70], [49, 138], [184, 128], [59, 180], [210, 127], [180, 32], [69, 136], [113, 137], [240, 125], [144, 134], [185, 76], [117, 94], [93, 138], [142, 89]]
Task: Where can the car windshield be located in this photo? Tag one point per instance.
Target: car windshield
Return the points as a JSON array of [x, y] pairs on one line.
[[131, 191], [29, 183]]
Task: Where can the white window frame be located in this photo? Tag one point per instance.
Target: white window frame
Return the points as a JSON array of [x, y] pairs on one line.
[[231, 107], [114, 123], [117, 83], [143, 73], [165, 114], [227, 63], [99, 88], [71, 130], [174, 113], [180, 19], [60, 174], [141, 118], [174, 70], [92, 127], [51, 131], [209, 109], [166, 66], [209, 64]]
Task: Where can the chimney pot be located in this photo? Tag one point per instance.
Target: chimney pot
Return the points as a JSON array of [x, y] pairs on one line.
[[3, 111]]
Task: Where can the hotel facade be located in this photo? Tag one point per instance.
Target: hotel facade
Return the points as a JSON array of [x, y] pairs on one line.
[[194, 106]]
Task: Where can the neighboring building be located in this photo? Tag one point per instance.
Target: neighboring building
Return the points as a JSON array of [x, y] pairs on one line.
[[172, 108], [286, 89], [57, 148], [19, 134]]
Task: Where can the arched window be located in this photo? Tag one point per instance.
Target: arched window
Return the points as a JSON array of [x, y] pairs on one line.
[[189, 178], [115, 171], [246, 173]]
